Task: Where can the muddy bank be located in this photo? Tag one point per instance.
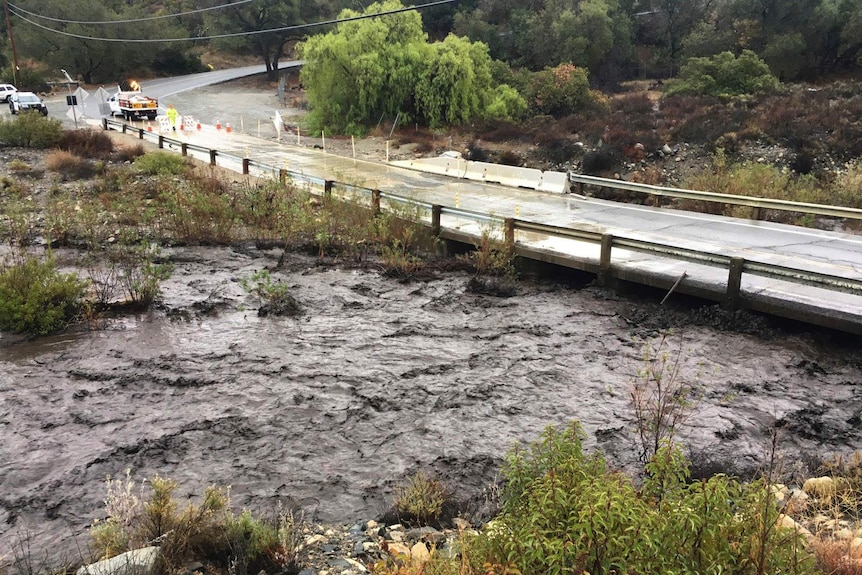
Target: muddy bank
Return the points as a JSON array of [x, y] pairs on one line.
[[375, 380]]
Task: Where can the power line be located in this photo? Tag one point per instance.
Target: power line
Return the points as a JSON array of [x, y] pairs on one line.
[[234, 34], [60, 20]]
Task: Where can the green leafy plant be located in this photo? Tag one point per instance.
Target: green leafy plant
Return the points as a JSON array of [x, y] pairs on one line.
[[31, 130], [660, 398], [35, 298], [161, 164], [724, 75], [421, 499], [139, 272], [566, 512], [273, 296]]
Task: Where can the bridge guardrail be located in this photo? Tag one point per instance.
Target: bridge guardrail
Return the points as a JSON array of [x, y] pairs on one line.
[[758, 203], [736, 266]]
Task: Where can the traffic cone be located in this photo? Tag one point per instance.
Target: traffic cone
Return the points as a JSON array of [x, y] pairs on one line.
[[199, 126], [218, 124], [227, 129], [149, 128]]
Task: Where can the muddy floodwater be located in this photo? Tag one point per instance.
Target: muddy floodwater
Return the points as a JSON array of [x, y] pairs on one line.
[[377, 379]]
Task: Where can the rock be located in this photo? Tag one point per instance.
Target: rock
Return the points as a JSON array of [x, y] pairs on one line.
[[666, 150], [461, 524], [787, 522], [357, 565], [398, 549], [136, 562], [419, 555], [314, 540], [820, 487], [425, 534]]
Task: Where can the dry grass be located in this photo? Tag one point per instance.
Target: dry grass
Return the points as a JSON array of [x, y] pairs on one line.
[[70, 166]]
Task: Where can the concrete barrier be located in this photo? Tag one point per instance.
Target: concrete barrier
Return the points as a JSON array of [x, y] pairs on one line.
[[511, 176], [554, 182]]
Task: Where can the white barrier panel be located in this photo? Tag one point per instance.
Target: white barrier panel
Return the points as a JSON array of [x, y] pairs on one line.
[[554, 182], [511, 176], [164, 124]]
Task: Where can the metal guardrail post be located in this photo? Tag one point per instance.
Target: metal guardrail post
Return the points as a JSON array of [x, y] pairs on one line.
[[161, 142], [375, 202], [282, 176], [327, 189], [185, 149], [436, 211], [755, 214], [734, 282], [213, 154], [140, 132], [605, 259], [245, 163], [509, 225], [104, 123]]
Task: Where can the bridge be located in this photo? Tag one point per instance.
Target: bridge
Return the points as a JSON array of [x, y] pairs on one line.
[[803, 274]]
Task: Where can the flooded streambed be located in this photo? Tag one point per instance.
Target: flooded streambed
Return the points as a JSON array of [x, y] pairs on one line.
[[377, 379]]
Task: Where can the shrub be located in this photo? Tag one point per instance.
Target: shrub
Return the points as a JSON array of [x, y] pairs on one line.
[[506, 104], [560, 91], [31, 130], [192, 213], [565, 512], [421, 500], [848, 187], [87, 143], [138, 272], [36, 299], [70, 166], [273, 297], [660, 398], [724, 75], [129, 153], [161, 164]]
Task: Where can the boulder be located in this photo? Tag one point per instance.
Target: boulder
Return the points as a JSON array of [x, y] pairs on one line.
[[136, 562]]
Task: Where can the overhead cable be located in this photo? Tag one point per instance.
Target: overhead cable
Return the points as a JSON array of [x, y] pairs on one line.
[[129, 21], [233, 34]]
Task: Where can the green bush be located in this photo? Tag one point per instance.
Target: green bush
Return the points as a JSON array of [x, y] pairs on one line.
[[565, 512], [421, 499], [161, 164], [724, 75], [31, 130], [36, 299], [561, 91]]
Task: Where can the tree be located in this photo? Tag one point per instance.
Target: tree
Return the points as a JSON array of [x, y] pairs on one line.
[[384, 67], [94, 60], [254, 17], [724, 75]]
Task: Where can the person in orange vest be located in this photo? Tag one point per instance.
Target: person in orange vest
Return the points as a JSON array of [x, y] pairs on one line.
[[172, 117]]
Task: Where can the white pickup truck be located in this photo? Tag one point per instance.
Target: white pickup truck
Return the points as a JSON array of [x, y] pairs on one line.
[[133, 105]]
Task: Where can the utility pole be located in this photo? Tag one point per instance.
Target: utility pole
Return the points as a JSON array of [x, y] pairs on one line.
[[11, 43]]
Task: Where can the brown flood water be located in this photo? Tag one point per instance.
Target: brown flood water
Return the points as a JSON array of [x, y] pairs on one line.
[[376, 380]]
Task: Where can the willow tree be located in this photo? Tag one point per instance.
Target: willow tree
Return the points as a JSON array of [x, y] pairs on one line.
[[383, 67]]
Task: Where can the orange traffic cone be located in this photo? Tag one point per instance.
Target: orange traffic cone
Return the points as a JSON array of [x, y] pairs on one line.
[[218, 124], [149, 128], [227, 129], [199, 126]]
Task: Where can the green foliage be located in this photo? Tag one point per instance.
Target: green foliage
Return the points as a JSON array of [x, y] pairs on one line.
[[506, 104], [763, 181], [566, 512], [273, 296], [660, 398], [31, 130], [561, 91], [37, 299], [384, 67], [138, 272], [161, 164], [421, 500], [195, 213], [724, 75], [30, 79]]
